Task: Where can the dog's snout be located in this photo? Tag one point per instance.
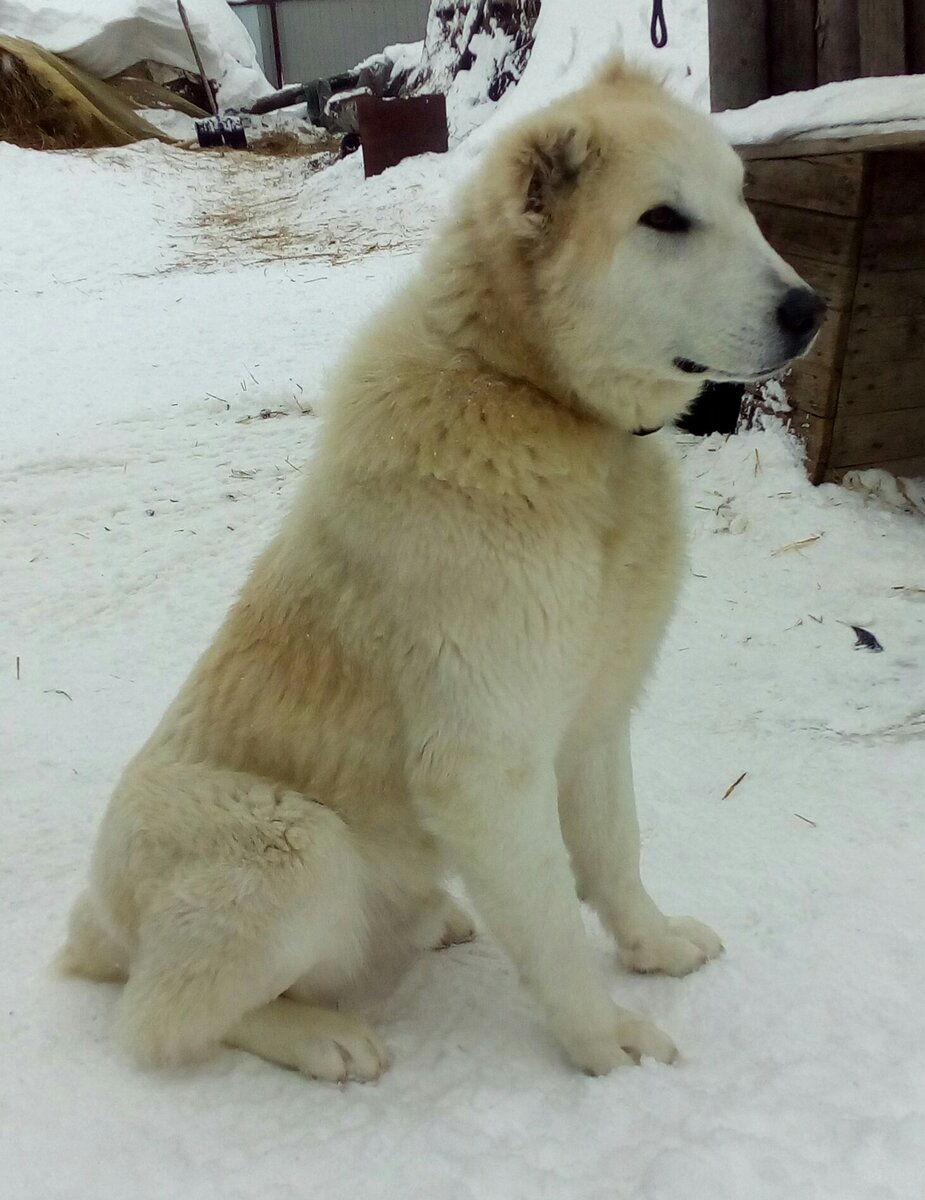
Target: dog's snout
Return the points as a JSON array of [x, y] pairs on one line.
[[800, 312]]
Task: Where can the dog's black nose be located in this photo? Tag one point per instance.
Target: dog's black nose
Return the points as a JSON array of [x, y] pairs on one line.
[[800, 312]]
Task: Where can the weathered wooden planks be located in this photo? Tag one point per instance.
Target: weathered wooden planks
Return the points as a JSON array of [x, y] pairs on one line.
[[882, 37], [823, 183], [834, 284], [890, 293], [763, 48], [792, 45], [878, 339], [838, 47], [909, 138], [911, 468], [869, 438], [915, 36], [877, 387], [805, 233], [898, 180], [813, 388], [738, 53], [859, 238], [894, 243]]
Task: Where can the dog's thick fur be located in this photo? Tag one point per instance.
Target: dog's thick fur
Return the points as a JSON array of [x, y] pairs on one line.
[[432, 666]]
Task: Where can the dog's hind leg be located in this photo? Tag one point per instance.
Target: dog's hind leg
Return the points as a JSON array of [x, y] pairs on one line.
[[220, 939], [320, 1042]]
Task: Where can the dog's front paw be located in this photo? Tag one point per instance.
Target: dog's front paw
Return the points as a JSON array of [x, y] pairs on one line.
[[628, 1041], [678, 947]]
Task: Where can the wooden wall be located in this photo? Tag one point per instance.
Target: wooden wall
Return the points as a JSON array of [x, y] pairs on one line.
[[850, 217], [761, 48]]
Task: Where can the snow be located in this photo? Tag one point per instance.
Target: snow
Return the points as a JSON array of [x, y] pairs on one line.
[[852, 106], [572, 36], [106, 36], [155, 304]]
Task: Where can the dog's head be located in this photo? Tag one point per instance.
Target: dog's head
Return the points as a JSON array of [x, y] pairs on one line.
[[643, 262]]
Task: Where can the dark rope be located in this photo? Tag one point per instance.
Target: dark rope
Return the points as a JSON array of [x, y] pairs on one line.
[[658, 30]]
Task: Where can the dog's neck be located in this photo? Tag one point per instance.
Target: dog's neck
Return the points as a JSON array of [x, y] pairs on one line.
[[476, 317], [481, 319]]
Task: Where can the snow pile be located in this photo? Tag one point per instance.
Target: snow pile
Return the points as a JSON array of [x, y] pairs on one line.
[[851, 106], [106, 36], [572, 37]]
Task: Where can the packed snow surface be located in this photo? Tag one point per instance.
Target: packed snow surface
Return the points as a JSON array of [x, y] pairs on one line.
[[167, 320], [106, 36]]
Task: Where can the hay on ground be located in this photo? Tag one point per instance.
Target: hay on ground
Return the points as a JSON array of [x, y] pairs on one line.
[[47, 103]]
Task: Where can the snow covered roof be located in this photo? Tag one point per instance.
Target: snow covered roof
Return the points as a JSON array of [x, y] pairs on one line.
[[106, 36]]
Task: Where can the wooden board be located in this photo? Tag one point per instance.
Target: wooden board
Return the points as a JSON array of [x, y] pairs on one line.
[[894, 243], [882, 37], [873, 387], [829, 183], [813, 382], [876, 339], [915, 36], [791, 45], [890, 293], [835, 284], [795, 147], [898, 181], [816, 435], [837, 45], [813, 388], [827, 345], [820, 236], [909, 468], [876, 437], [738, 53]]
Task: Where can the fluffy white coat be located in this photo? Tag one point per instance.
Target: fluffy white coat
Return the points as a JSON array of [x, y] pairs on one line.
[[432, 666]]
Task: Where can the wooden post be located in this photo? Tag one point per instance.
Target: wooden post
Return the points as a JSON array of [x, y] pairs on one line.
[[915, 36], [738, 53], [206, 81], [882, 30], [837, 49], [792, 45]]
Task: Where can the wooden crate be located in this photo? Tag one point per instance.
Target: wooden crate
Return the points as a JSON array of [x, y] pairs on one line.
[[849, 214]]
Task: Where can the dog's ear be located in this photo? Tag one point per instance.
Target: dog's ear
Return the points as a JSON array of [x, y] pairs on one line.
[[616, 72], [553, 160]]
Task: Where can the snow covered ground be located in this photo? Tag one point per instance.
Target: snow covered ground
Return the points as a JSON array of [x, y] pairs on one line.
[[166, 321]]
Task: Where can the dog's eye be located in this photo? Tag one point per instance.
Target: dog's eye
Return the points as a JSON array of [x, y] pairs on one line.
[[665, 219]]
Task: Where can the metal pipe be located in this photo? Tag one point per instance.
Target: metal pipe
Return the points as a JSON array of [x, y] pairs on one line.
[[277, 51]]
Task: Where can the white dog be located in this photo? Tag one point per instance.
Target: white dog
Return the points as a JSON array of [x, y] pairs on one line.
[[432, 666]]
